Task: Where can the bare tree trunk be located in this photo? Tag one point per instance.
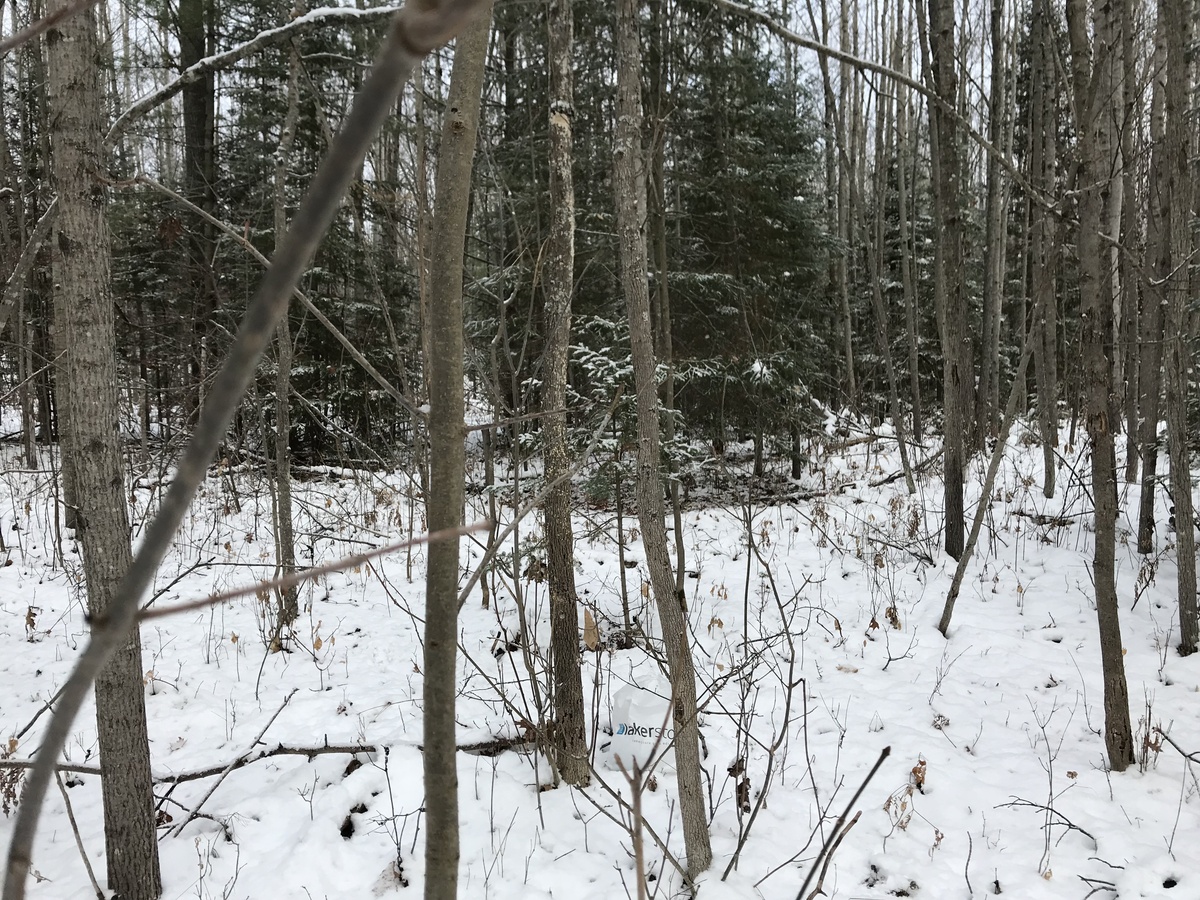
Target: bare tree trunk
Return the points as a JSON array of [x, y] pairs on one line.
[[874, 242], [844, 176], [661, 317], [837, 203], [1178, 19], [285, 541], [1153, 316], [1044, 242], [91, 446], [908, 284], [958, 374], [569, 740], [199, 150], [1093, 83], [988, 400], [444, 504], [1131, 219], [629, 188]]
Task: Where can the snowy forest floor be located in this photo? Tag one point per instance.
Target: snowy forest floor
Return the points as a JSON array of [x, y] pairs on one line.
[[815, 649]]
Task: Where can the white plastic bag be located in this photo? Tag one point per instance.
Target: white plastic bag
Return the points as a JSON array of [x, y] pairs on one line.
[[643, 727]]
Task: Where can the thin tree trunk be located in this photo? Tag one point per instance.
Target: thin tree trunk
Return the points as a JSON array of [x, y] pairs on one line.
[[1178, 22], [844, 201], [957, 369], [569, 739], [875, 236], [285, 541], [91, 447], [1044, 242], [908, 285], [988, 400], [199, 151], [1131, 215], [1153, 318], [1093, 86], [663, 339], [444, 503], [629, 188]]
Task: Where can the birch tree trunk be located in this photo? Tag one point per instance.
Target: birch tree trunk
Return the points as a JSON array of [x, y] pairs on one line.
[[88, 422], [569, 741], [629, 187], [444, 505]]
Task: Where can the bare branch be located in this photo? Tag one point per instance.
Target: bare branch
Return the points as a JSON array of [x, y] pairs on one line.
[[233, 765], [296, 578], [416, 29], [87, 863], [324, 16], [29, 32], [834, 838]]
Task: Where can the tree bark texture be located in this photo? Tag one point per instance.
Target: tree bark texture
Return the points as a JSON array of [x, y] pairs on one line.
[[445, 501], [200, 185], [629, 187], [1092, 74], [1178, 18], [87, 389], [957, 371], [570, 743]]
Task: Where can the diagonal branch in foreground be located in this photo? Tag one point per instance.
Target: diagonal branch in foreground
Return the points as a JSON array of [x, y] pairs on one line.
[[417, 29]]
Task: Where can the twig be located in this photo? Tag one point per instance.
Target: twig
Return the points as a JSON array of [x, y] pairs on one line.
[[48, 705], [819, 889], [250, 757], [291, 580], [967, 865], [178, 578], [1194, 756], [1050, 811], [1097, 885], [624, 804], [87, 863], [829, 845], [60, 767], [233, 765]]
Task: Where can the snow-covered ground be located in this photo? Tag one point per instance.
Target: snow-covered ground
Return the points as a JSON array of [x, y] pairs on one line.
[[815, 650]]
